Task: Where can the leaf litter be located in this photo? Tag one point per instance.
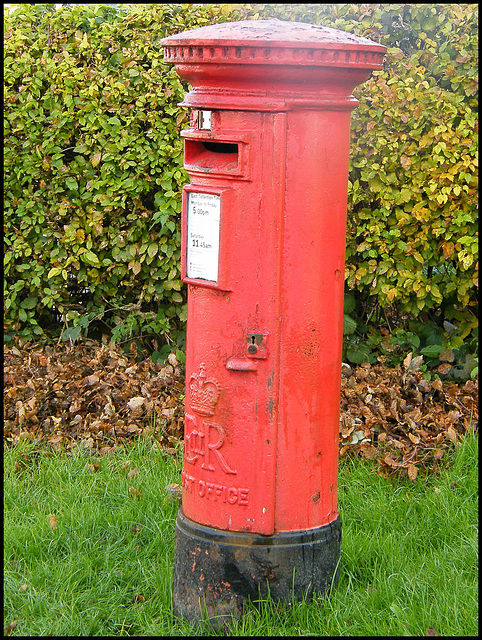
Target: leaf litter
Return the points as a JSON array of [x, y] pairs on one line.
[[97, 397]]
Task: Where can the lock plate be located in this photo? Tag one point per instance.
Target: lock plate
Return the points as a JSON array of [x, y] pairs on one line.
[[256, 345]]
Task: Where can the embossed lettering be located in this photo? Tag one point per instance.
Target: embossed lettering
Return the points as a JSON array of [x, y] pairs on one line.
[[213, 447], [203, 440], [215, 492]]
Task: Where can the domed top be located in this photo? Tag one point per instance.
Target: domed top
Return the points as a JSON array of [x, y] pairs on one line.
[[266, 64], [273, 34], [269, 33]]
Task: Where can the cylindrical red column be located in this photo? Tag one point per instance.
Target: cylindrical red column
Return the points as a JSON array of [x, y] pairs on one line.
[[263, 237]]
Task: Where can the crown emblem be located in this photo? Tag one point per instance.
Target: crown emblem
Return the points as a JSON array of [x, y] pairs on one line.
[[204, 393]]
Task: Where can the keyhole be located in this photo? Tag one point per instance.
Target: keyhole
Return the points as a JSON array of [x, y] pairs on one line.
[[252, 347]]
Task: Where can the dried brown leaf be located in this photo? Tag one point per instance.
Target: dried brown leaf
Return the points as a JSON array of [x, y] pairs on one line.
[[453, 416], [412, 472], [451, 434], [347, 431], [415, 363], [414, 438], [136, 403], [390, 462], [174, 490], [368, 450], [53, 521], [407, 360], [444, 368], [138, 598], [10, 627]]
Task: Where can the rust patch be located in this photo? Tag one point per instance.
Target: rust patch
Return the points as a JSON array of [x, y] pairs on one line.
[[270, 407], [315, 497]]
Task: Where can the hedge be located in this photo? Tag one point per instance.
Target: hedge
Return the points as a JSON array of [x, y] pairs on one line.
[[93, 165]]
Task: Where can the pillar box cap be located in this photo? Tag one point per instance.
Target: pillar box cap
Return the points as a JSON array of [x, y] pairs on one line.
[[271, 65]]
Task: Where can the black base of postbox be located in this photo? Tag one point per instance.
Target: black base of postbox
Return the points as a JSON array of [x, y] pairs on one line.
[[216, 572]]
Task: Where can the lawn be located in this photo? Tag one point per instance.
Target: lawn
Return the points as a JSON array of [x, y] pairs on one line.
[[88, 549]]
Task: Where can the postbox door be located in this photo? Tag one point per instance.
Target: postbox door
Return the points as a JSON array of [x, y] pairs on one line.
[[233, 321]]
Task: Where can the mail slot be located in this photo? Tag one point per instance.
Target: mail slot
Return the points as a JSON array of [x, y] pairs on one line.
[[263, 247], [205, 155]]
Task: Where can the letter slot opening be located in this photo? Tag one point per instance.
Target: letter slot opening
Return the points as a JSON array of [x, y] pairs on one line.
[[221, 147], [211, 156]]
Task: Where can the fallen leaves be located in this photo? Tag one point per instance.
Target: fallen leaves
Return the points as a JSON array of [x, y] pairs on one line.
[[402, 419], [89, 395], [95, 396]]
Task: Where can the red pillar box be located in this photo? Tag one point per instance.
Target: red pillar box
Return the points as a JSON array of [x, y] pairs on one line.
[[263, 248]]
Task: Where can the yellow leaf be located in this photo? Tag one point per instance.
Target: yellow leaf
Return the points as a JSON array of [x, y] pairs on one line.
[[448, 249], [406, 162], [391, 294], [96, 158]]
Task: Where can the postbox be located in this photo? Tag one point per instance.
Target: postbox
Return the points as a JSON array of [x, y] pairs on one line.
[[263, 250]]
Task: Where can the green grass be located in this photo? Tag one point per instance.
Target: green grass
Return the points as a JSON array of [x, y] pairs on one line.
[[409, 553]]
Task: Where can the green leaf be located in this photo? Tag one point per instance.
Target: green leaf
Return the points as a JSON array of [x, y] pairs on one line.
[[349, 303], [358, 355], [71, 333], [72, 184], [432, 350], [349, 325], [152, 250], [29, 303], [90, 258]]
